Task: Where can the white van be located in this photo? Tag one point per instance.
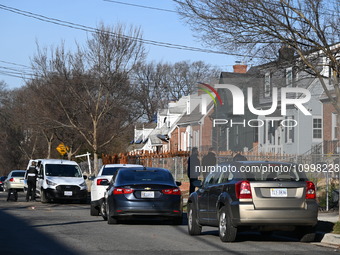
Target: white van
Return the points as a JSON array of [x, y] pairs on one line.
[[60, 179]]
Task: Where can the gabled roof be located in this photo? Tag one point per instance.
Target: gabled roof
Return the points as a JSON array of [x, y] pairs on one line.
[[195, 116]]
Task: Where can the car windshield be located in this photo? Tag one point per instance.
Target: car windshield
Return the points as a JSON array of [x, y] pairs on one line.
[[18, 174], [63, 170], [144, 176], [110, 170]]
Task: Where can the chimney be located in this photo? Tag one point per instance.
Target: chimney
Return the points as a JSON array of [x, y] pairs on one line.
[[239, 67]]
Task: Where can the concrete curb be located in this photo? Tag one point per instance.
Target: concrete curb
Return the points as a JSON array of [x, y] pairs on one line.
[[331, 239]]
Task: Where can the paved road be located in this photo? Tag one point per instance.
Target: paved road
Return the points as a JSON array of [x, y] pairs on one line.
[[35, 228]]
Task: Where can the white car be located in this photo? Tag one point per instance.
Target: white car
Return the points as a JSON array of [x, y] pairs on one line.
[[100, 183], [60, 179], [15, 180]]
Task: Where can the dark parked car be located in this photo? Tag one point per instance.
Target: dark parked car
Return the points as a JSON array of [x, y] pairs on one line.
[[265, 196], [2, 179], [142, 192]]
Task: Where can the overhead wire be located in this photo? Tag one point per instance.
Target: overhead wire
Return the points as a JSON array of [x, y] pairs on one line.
[[140, 6], [93, 30]]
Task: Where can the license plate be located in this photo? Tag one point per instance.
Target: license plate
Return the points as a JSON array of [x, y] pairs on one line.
[[68, 193], [148, 194], [278, 192], [22, 181]]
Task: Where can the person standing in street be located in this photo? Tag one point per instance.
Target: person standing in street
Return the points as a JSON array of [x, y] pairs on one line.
[[193, 172], [32, 174], [208, 161]]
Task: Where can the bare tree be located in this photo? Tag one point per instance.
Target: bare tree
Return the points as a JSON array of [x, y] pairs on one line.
[[91, 87], [259, 28], [157, 84]]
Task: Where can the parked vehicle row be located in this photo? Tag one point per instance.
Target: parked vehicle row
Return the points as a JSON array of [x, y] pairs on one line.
[[241, 195], [231, 199]]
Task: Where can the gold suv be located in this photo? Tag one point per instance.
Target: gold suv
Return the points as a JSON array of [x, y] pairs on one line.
[[266, 196]]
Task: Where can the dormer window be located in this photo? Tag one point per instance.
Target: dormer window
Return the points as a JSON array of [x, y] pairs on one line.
[[267, 85]]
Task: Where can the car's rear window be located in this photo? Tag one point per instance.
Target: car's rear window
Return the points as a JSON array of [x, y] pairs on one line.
[[144, 176], [110, 170], [263, 172], [18, 174]]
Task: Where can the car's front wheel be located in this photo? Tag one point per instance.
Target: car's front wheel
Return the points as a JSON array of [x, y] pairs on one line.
[[227, 231], [44, 198], [193, 227]]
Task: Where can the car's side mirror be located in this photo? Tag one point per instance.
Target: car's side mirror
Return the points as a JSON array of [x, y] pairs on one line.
[[197, 183], [178, 183], [85, 177]]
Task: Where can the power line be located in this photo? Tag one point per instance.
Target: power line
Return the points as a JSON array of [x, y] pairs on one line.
[[141, 6], [11, 63], [93, 30]]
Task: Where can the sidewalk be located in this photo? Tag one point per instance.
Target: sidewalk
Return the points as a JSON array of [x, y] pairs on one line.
[[329, 216], [330, 239]]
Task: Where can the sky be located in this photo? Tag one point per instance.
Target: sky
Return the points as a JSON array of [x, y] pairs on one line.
[[20, 34]]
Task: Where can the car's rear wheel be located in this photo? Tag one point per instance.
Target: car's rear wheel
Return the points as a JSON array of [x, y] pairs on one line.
[[306, 234], [110, 219], [94, 211], [103, 210], [193, 227], [227, 231]]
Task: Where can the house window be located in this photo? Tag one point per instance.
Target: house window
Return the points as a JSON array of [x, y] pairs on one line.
[[196, 139], [289, 77], [188, 107], [334, 126], [267, 85], [317, 128]]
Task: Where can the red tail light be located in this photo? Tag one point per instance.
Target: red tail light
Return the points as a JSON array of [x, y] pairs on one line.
[[310, 190], [11, 180], [243, 190], [174, 191], [119, 191], [99, 181]]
